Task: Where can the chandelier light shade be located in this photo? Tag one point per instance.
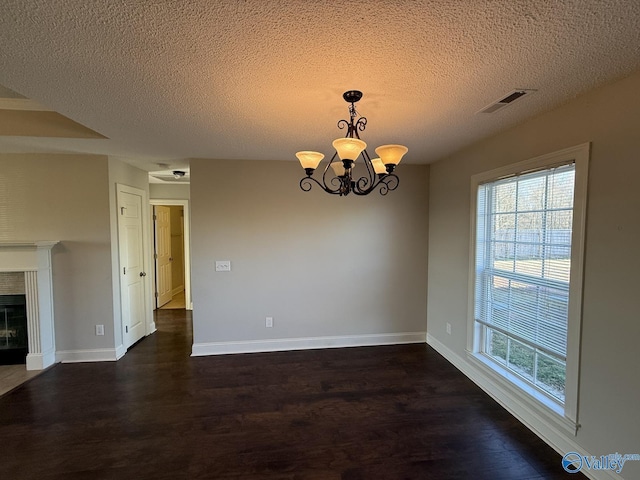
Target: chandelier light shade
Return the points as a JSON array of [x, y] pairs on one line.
[[310, 160], [349, 148], [340, 178], [391, 154], [338, 169], [378, 166]]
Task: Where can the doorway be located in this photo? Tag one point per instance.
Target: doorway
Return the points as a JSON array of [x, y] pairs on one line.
[[172, 272]]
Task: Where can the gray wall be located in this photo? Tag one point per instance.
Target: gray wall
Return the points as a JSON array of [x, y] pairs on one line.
[[65, 197], [609, 382], [321, 265]]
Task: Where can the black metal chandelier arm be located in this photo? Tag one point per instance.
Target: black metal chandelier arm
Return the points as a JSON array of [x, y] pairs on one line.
[[353, 127], [369, 165], [306, 185], [336, 181], [362, 186], [361, 124], [386, 184], [342, 124], [326, 168]]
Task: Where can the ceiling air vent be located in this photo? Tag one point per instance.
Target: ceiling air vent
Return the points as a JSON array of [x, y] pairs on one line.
[[506, 100]]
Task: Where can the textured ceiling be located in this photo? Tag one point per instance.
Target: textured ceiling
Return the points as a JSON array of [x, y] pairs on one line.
[[165, 81]]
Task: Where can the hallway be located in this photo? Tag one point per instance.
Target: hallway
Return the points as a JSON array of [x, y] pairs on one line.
[[373, 413]]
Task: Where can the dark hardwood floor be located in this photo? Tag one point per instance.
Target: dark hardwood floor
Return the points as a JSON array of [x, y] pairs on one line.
[[392, 412]]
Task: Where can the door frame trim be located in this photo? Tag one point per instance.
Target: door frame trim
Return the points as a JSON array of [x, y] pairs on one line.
[[184, 203]]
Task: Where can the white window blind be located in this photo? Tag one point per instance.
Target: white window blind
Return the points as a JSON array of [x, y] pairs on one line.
[[523, 259]]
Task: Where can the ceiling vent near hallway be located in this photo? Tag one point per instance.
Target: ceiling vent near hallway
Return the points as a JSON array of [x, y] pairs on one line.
[[507, 100]]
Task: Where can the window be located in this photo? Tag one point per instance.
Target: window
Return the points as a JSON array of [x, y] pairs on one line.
[[527, 274]]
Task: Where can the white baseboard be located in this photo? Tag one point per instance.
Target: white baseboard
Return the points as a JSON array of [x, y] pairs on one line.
[[177, 290], [306, 343], [120, 351], [555, 437], [95, 355], [40, 361]]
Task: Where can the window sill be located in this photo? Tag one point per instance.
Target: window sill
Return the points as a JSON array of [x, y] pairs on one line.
[[520, 398]]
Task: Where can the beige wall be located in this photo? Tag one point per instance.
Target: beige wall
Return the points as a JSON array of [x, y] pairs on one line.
[[321, 265], [178, 191], [65, 197], [609, 118]]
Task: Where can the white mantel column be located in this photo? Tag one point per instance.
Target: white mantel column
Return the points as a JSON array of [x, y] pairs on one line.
[[34, 259], [42, 350]]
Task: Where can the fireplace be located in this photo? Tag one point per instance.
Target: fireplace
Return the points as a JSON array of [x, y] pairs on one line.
[[26, 291], [13, 329]]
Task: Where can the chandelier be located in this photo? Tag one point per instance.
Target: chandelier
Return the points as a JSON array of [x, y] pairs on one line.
[[338, 177]]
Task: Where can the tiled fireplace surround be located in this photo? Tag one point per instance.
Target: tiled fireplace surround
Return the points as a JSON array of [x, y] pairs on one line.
[[33, 260]]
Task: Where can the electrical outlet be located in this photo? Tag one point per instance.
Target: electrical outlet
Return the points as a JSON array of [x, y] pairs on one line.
[[448, 328], [99, 329], [223, 265], [268, 322]]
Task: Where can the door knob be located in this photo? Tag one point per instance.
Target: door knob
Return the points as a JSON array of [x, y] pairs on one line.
[[143, 274]]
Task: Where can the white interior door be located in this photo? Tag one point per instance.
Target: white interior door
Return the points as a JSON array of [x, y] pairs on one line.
[[132, 284], [164, 286], [186, 245]]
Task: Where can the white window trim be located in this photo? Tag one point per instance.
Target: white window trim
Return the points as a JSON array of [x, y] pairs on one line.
[[565, 416]]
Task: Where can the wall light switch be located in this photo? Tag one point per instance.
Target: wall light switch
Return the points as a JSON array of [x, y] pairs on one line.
[[223, 265]]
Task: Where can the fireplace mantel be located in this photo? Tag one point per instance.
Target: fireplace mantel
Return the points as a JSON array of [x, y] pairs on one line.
[[34, 259]]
